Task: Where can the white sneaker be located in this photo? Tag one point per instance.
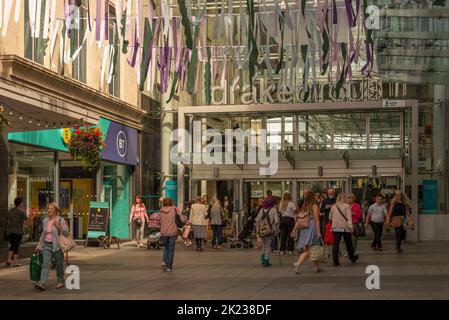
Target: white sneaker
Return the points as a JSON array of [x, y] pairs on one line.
[[295, 264], [138, 245], [290, 253]]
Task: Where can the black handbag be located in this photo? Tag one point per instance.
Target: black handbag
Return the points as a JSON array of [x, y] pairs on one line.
[[359, 229], [178, 221], [138, 222]]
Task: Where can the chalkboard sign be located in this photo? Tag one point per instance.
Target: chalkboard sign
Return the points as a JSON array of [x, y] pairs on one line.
[[98, 220]]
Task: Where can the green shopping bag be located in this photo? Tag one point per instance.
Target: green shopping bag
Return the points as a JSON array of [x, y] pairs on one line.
[[35, 267]]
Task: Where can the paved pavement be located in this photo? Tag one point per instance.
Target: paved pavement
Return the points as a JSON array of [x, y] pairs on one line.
[[421, 272]]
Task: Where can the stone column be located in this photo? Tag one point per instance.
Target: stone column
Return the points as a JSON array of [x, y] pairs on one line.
[[439, 135], [3, 185], [166, 131]]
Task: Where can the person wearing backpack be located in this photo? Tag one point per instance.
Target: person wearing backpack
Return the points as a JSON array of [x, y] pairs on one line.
[[267, 222], [308, 222], [341, 218]]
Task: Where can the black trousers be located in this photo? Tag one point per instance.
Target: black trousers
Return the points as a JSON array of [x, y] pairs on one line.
[[377, 229], [14, 242], [348, 242], [286, 226]]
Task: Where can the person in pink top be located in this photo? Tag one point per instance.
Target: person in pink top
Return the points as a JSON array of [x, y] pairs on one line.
[[357, 217], [137, 216]]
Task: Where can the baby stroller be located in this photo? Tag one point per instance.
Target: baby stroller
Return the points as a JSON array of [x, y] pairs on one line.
[[154, 227], [245, 234]]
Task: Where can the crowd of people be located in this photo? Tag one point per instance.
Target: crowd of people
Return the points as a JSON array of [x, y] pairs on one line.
[[294, 226]]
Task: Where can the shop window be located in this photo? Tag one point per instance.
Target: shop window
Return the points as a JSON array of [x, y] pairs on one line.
[[350, 131], [315, 132], [32, 178], [34, 46], [385, 130], [80, 63]]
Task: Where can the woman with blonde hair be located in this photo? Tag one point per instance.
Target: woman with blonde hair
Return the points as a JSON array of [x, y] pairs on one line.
[[341, 217], [198, 213], [48, 245], [216, 217], [399, 211], [287, 210]]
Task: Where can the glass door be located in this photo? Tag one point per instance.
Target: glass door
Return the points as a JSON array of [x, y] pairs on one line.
[[366, 188], [321, 186]]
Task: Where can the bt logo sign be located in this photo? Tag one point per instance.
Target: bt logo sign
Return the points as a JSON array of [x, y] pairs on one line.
[[122, 144]]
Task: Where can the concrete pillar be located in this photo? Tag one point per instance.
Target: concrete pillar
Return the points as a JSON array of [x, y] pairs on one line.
[[439, 135], [166, 131], [3, 185], [203, 144]]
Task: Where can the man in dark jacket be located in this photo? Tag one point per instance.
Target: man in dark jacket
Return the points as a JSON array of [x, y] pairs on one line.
[[326, 208], [14, 231]]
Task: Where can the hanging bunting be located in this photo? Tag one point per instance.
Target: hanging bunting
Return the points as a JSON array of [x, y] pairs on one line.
[[98, 21], [17, 11], [207, 79], [186, 22], [7, 14], [191, 72], [146, 54], [106, 19]]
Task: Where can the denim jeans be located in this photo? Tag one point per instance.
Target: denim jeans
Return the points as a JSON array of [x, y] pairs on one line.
[[217, 234], [169, 250], [48, 255]]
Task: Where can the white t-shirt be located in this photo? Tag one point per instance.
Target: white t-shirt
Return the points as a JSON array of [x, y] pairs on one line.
[[378, 213], [289, 211]]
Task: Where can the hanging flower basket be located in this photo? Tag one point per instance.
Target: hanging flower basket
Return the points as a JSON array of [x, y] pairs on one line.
[[3, 119], [86, 145]]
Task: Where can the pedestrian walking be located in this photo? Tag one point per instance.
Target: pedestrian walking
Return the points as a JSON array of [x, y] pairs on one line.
[[357, 217], [288, 215], [267, 224], [48, 245], [398, 213], [14, 231], [326, 208], [341, 217], [377, 213], [308, 224], [187, 227], [138, 216], [198, 214], [169, 232], [216, 217]]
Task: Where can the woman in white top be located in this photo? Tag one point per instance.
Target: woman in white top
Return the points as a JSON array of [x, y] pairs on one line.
[[341, 218], [287, 210], [198, 213]]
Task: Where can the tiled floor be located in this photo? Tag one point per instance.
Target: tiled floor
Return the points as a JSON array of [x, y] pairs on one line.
[[421, 272]]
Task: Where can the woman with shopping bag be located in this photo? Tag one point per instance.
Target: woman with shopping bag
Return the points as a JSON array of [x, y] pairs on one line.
[[54, 228], [398, 213]]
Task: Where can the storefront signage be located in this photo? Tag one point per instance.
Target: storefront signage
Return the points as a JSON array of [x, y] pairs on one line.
[[121, 144], [366, 89], [430, 196], [66, 135], [171, 190], [98, 220]]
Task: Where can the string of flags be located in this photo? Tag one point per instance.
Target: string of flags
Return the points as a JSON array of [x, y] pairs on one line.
[[290, 41]]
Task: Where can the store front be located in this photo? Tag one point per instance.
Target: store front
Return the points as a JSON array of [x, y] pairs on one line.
[[41, 171]]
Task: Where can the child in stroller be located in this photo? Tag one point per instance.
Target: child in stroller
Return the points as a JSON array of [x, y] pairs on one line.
[[154, 227]]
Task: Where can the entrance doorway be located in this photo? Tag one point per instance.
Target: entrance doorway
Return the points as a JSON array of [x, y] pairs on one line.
[[366, 188], [321, 186]]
